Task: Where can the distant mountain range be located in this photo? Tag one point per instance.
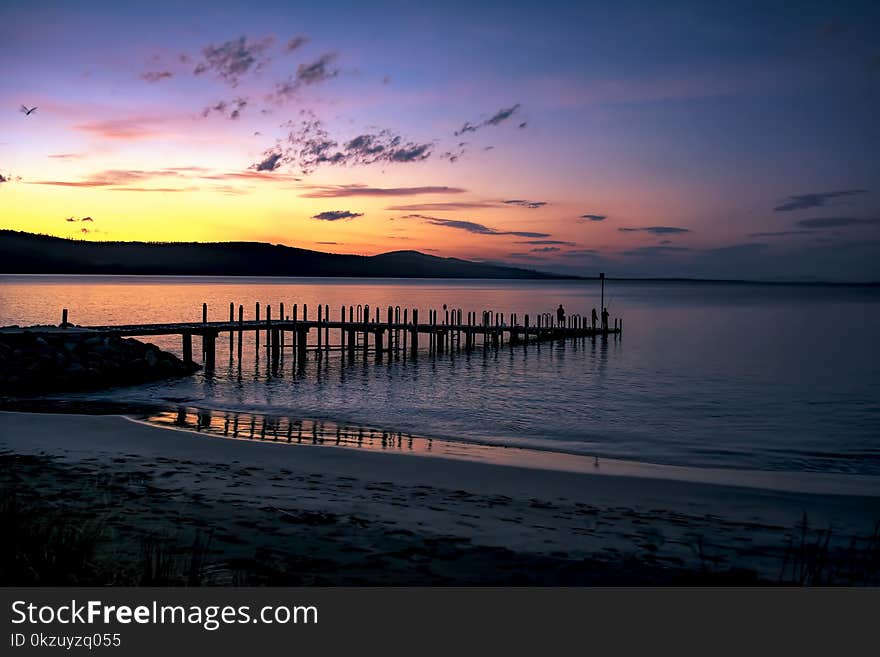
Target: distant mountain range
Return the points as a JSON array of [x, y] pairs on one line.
[[28, 253]]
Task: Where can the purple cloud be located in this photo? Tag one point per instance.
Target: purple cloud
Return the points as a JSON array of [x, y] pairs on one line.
[[232, 60], [496, 119], [814, 200], [526, 204], [156, 76], [656, 230]]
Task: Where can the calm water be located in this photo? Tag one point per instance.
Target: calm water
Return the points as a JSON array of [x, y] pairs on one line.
[[713, 375]]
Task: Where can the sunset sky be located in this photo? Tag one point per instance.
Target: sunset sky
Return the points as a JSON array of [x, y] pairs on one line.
[[660, 139]]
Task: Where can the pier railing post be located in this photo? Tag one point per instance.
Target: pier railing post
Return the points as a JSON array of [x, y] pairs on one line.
[[379, 335], [231, 330], [281, 327], [64, 318], [209, 339], [405, 332], [294, 334], [320, 316], [352, 333], [302, 337], [415, 332], [257, 332], [187, 348], [327, 329], [240, 330], [342, 329]]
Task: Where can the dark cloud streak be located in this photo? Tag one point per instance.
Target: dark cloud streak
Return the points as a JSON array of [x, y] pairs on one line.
[[835, 222], [496, 119], [526, 204], [472, 226], [156, 76], [656, 230], [814, 200], [336, 215]]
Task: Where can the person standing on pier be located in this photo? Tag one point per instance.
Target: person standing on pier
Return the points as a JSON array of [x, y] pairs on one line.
[[595, 319], [560, 316], [605, 319]]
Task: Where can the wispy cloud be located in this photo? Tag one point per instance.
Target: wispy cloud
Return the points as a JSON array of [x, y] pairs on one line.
[[593, 217], [548, 242], [656, 230], [526, 204], [232, 60], [156, 76], [814, 200], [319, 70], [162, 190], [735, 249], [836, 222], [231, 109], [295, 43], [264, 175], [122, 129], [338, 191], [67, 156], [336, 215], [132, 180], [110, 177], [471, 226], [648, 251], [546, 249], [442, 207], [780, 233], [496, 119]]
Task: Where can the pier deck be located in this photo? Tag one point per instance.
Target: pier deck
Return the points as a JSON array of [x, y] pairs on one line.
[[392, 332]]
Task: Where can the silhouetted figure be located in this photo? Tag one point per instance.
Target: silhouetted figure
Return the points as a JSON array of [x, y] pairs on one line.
[[595, 318], [27, 112], [605, 319], [560, 315]]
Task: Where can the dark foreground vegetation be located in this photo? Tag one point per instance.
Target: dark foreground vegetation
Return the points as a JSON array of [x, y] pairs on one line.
[[75, 525], [46, 361]]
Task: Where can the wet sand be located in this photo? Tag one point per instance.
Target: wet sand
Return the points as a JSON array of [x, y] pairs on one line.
[[304, 514]]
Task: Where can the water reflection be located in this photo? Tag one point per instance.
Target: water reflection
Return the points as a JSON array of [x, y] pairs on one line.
[[282, 429]]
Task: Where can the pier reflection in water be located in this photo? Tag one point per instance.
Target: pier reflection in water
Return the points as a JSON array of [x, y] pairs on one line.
[[253, 426]]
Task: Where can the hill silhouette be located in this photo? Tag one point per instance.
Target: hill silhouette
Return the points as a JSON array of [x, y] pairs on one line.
[[29, 253]]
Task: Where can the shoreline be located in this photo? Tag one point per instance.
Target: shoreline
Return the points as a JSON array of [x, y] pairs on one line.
[[329, 434], [356, 509], [217, 422]]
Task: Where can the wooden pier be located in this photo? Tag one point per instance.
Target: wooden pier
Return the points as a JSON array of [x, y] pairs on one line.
[[360, 331]]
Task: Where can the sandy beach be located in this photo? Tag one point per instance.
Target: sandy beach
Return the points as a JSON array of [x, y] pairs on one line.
[[297, 514]]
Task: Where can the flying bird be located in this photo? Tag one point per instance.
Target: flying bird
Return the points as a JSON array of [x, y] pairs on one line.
[[28, 112]]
